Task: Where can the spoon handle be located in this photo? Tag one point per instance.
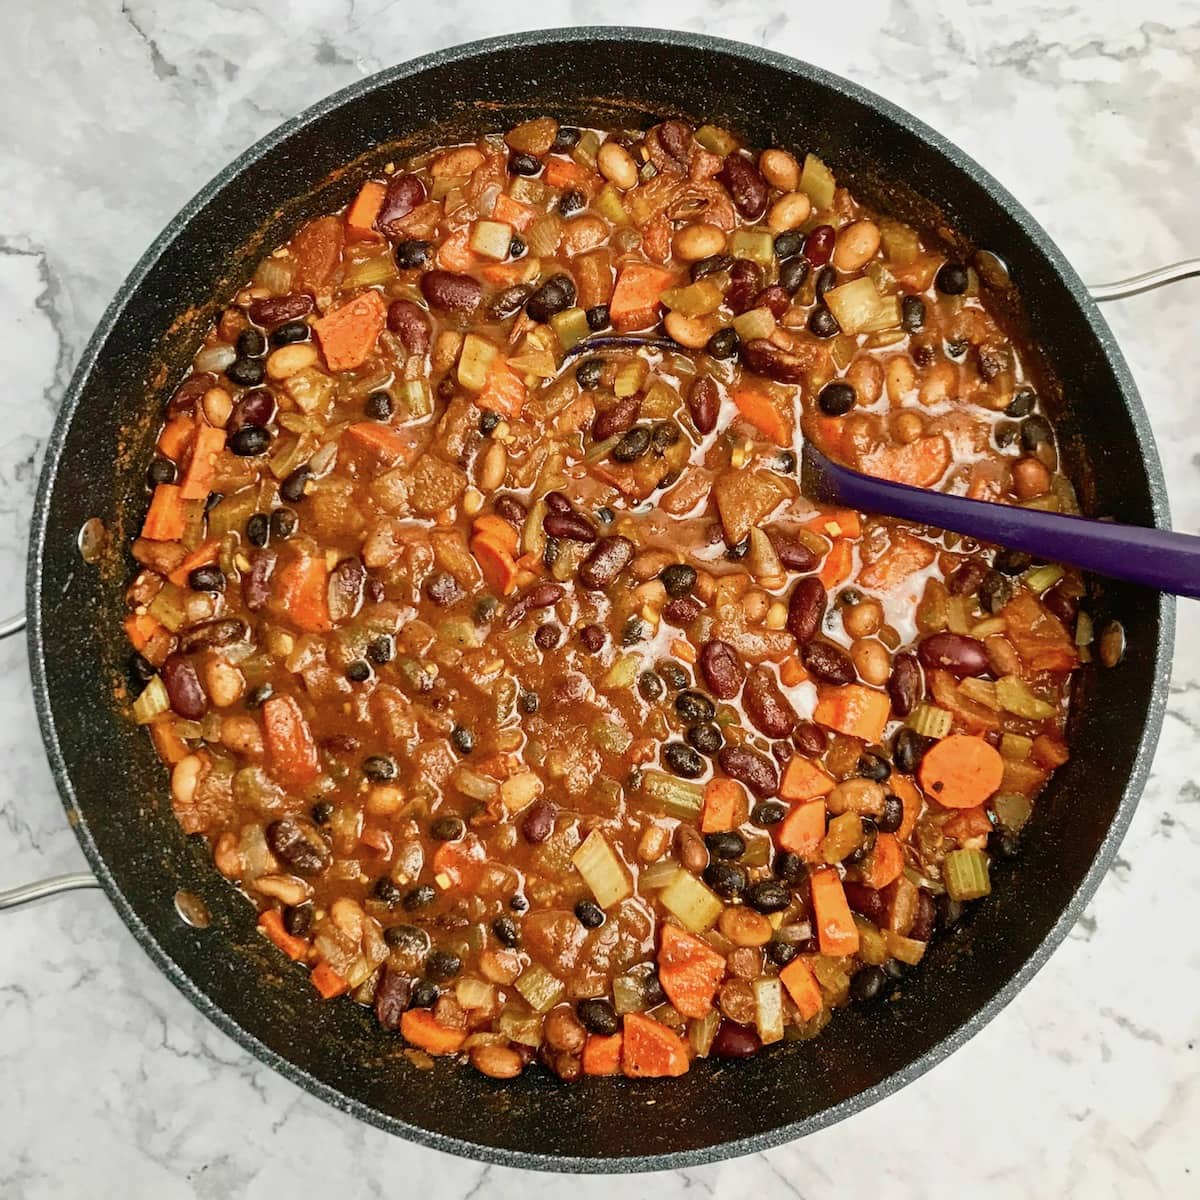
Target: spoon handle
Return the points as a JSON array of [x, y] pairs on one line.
[[1158, 558]]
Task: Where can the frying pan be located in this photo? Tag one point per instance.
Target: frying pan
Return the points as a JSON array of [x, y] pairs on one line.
[[115, 791]]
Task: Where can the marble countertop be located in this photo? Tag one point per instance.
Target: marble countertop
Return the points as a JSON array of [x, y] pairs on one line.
[[111, 116]]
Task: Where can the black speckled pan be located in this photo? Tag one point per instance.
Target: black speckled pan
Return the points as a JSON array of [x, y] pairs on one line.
[[115, 790]]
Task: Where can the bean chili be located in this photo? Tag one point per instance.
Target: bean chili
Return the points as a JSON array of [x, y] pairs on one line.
[[496, 652]]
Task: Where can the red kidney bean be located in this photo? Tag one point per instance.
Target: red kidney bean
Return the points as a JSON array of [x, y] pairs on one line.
[[828, 663], [510, 509], [722, 669], [299, 844], [747, 188], [767, 359], [277, 310], [404, 193], [926, 918], [189, 393], [806, 608], [1062, 604], [767, 707], [745, 282], [954, 652], [346, 589], [608, 558], [183, 687], [793, 553], [809, 739], [866, 901], [391, 998], [255, 407], [735, 1041], [818, 246], [538, 822], [704, 404], [410, 323], [748, 767], [966, 578], [904, 684], [683, 611], [675, 137], [556, 502], [568, 525], [221, 632], [773, 298], [448, 292], [617, 418], [256, 583]]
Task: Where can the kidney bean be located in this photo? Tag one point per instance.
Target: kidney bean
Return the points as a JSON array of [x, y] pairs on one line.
[[954, 652], [538, 822], [793, 553], [448, 292], [256, 583], [905, 685], [675, 137], [829, 663], [189, 393], [767, 707], [617, 418], [683, 611], [556, 502], [404, 193], [767, 359], [1062, 604], [774, 298], [809, 739], [806, 608], [221, 632], [747, 188], [745, 282], [183, 687], [299, 844], [607, 560], [568, 525], [278, 310], [818, 246], [866, 901], [410, 323], [391, 998], [926, 918], [346, 589], [722, 669], [255, 407], [510, 509], [704, 404], [748, 767], [735, 1041], [966, 578]]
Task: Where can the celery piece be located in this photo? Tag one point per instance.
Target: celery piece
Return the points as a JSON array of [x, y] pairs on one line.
[[475, 361], [474, 993], [379, 268], [291, 453], [1044, 577], [1012, 809], [610, 205], [622, 673], [442, 185], [832, 975], [630, 377], [1084, 629], [876, 271], [1014, 696], [1015, 746], [491, 239], [982, 691], [414, 395], [658, 875], [696, 300], [816, 179], [528, 191], [930, 721], [571, 326], [661, 401], [602, 870], [907, 950], [533, 537], [757, 852], [539, 989], [966, 874], [843, 836], [701, 1032], [232, 513], [629, 994], [611, 737], [755, 244], [872, 947], [716, 140], [686, 898], [152, 702], [755, 324], [676, 797], [167, 607], [768, 1008], [900, 242], [586, 149], [958, 614], [859, 308], [309, 389], [843, 348], [460, 632]]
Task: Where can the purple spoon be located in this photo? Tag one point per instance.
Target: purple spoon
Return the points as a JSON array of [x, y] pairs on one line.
[[1158, 558]]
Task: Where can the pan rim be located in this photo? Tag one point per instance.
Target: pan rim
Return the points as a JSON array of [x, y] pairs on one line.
[[1131, 792]]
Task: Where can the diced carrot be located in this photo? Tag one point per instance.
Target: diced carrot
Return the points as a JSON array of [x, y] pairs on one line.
[[202, 556], [1039, 637], [360, 217], [593, 277], [656, 239], [349, 332], [802, 986], [854, 710], [650, 1050], [1024, 777], [804, 780], [302, 593], [329, 983], [683, 650], [967, 823], [175, 437], [838, 564], [885, 861], [836, 523], [1049, 752], [829, 433], [803, 830], [764, 413], [388, 443], [960, 771], [317, 249], [837, 934], [498, 529], [421, 1029], [901, 899], [462, 863], [166, 520], [635, 299], [455, 253], [725, 806], [505, 274], [496, 563], [291, 751], [602, 1055], [197, 480], [513, 212], [690, 971], [791, 671], [170, 746], [919, 464], [502, 391], [910, 796], [271, 923], [906, 556], [140, 628], [563, 173]]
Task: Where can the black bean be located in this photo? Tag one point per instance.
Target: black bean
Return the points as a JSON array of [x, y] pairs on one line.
[[1034, 432], [523, 164], [555, 295], [872, 766], [706, 737], [380, 768], [292, 489], [589, 914], [723, 344], [836, 399], [299, 844], [951, 279], [682, 760], [908, 748], [726, 879], [412, 253], [827, 280], [379, 406], [710, 266], [1012, 562], [387, 891], [598, 1016], [298, 918], [1022, 403], [528, 702], [258, 696], [290, 332], [694, 706], [258, 529], [823, 323], [650, 686], [571, 202], [588, 373], [421, 896], [251, 344], [443, 589], [250, 441], [448, 829], [506, 931], [782, 953], [246, 372], [381, 649], [407, 937], [769, 812], [768, 896], [424, 994], [633, 631], [892, 816], [206, 579], [143, 669], [789, 867], [442, 964], [1002, 844], [664, 435], [793, 274], [565, 139], [674, 676], [788, 244], [869, 982], [161, 470], [597, 317], [994, 592], [516, 247], [633, 444], [358, 671], [912, 314], [725, 845]]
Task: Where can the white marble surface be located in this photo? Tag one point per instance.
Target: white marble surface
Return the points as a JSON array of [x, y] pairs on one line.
[[111, 116]]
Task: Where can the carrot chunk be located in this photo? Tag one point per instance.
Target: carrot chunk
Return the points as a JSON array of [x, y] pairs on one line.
[[271, 923], [165, 522], [910, 796], [837, 934], [961, 771], [802, 986], [836, 523], [349, 332], [455, 253], [690, 971], [885, 862], [563, 173], [804, 780], [498, 529], [725, 806], [502, 391], [513, 212], [919, 464], [302, 593], [906, 556], [389, 444], [803, 830], [602, 1055], [420, 1029], [202, 556], [328, 982], [838, 564], [176, 436], [360, 217], [497, 564], [171, 748], [854, 710], [650, 1050], [764, 413], [291, 751], [635, 299]]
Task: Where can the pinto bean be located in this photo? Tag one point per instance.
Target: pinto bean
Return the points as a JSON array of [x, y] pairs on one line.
[[806, 608], [747, 188], [278, 310], [497, 1062], [607, 559], [829, 663], [767, 707], [748, 767], [954, 652], [721, 666]]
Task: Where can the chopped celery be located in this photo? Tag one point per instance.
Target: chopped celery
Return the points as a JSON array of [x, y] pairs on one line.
[[817, 181], [414, 395], [879, 275], [843, 348], [629, 994], [907, 950], [605, 795], [859, 308], [533, 537], [474, 993], [930, 721], [602, 870], [658, 875], [528, 191], [611, 737], [442, 185], [958, 614], [630, 377], [985, 629], [832, 975], [291, 453], [676, 797], [491, 239], [1013, 810], [519, 791], [152, 702], [475, 361], [757, 852], [768, 1008], [691, 902], [661, 401], [966, 874], [701, 1032], [1041, 578], [982, 691], [755, 324], [900, 242], [309, 389], [622, 673], [696, 300], [843, 836], [379, 268], [610, 205], [1014, 696], [716, 140], [1084, 629], [1015, 746], [586, 149], [755, 244], [232, 513], [459, 631], [571, 326], [167, 607], [539, 989], [872, 946]]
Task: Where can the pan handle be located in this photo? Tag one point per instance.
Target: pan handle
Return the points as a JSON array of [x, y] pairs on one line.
[[1121, 288], [11, 625]]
